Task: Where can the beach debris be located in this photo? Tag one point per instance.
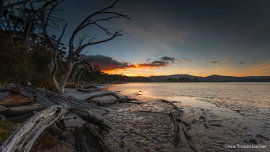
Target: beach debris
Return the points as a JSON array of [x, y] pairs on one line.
[[181, 132], [3, 95], [216, 125], [54, 108], [237, 111], [252, 141], [263, 137], [203, 119], [102, 94], [119, 99]]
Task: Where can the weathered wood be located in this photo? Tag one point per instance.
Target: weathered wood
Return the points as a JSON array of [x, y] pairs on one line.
[[55, 106], [103, 94], [4, 94], [94, 138], [23, 138], [14, 113], [91, 119], [176, 129], [86, 90], [180, 126], [121, 100], [16, 104]]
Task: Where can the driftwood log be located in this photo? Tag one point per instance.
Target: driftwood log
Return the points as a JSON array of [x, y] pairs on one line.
[[55, 108], [180, 127]]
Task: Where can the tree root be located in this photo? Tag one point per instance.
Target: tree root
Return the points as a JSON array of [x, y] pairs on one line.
[[102, 95], [14, 113], [180, 126], [118, 99], [88, 139], [16, 104], [4, 94]]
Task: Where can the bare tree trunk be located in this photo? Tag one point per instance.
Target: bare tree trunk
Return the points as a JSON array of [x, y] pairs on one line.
[[79, 77], [62, 82]]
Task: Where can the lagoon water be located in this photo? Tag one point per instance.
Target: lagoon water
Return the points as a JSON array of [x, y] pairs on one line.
[[255, 94]]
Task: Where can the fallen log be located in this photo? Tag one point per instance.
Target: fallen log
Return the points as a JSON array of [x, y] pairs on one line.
[[16, 104], [14, 113], [102, 95], [86, 90], [121, 100], [23, 138], [55, 107], [4, 94]]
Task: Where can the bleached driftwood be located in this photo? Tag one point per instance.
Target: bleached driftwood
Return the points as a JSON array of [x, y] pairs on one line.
[[23, 138], [103, 94], [55, 107]]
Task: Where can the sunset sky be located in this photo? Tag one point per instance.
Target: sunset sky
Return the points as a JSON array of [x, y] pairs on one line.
[[197, 37]]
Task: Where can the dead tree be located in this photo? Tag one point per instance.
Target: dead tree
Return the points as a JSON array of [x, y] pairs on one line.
[[21, 18], [77, 43], [7, 4]]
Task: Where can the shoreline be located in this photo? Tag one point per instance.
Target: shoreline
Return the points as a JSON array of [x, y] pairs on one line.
[[145, 126], [234, 122], [209, 122]]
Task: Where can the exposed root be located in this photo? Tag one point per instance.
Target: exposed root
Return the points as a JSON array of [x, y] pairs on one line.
[[176, 129], [180, 126], [4, 94], [104, 94], [16, 104], [14, 113], [88, 139]]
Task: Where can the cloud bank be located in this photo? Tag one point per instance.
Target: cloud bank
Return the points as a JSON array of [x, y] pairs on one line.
[[106, 63]]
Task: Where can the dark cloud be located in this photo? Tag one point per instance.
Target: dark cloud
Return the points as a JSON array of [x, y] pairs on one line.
[[167, 59], [214, 62], [154, 64], [241, 62], [186, 59], [106, 63]]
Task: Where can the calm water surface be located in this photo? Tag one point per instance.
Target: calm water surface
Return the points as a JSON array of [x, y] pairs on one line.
[[240, 93]]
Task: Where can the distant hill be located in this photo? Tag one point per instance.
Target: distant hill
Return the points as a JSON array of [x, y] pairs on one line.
[[212, 78], [170, 77]]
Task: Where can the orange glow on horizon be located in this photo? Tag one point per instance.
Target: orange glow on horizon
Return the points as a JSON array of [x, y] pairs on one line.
[[148, 70]]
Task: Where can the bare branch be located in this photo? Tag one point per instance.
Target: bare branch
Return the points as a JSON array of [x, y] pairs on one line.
[[116, 34], [11, 5], [88, 21], [62, 34]]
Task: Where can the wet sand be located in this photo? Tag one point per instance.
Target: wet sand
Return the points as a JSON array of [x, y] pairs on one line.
[[148, 127]]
